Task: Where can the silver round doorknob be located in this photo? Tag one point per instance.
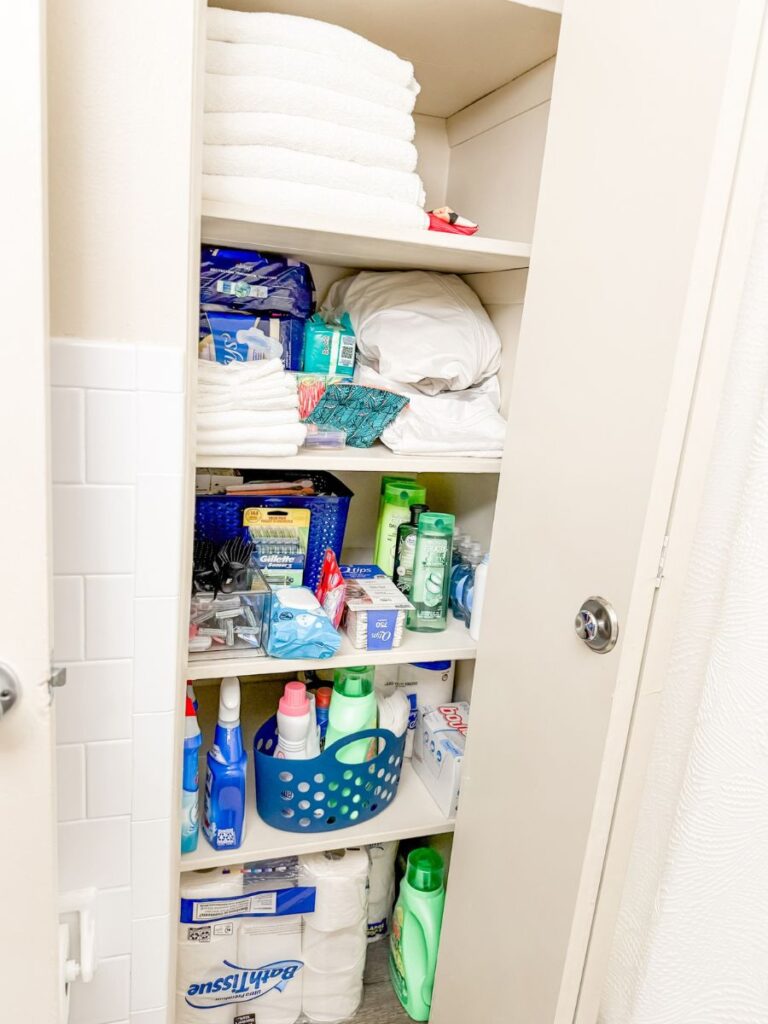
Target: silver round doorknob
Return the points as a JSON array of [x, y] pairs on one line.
[[597, 625]]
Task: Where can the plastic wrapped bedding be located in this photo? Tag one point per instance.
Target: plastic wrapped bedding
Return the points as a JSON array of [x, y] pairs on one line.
[[420, 328]]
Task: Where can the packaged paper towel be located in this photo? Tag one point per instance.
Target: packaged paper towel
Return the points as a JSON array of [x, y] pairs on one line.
[[381, 888]]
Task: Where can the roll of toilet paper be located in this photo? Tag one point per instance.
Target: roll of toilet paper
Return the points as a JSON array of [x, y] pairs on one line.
[[333, 995], [333, 951], [270, 949], [381, 888], [204, 952], [341, 879], [203, 947]]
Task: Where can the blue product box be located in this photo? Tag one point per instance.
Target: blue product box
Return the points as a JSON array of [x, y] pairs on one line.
[[225, 337]]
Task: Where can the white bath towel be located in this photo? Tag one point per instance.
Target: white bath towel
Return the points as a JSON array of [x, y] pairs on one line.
[[272, 201], [291, 65], [309, 135], [288, 433], [270, 387], [307, 34], [246, 449], [231, 93], [311, 169], [241, 418], [240, 404], [236, 371]]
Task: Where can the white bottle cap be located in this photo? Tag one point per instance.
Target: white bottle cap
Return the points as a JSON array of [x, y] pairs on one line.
[[229, 701]]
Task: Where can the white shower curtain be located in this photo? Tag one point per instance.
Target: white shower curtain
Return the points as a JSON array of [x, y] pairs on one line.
[[691, 945]]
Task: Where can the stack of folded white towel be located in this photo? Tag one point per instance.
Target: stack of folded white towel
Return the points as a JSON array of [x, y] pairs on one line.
[[247, 409], [303, 117]]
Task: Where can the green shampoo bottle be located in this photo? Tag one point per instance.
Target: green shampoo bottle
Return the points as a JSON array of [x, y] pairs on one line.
[[415, 937], [431, 573]]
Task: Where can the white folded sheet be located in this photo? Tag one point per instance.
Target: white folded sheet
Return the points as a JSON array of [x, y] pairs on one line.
[[309, 135], [311, 169], [307, 34], [272, 200], [460, 423], [231, 93], [313, 69]]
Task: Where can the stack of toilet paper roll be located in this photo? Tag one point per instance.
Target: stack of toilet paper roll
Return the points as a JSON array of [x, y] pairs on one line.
[[335, 936]]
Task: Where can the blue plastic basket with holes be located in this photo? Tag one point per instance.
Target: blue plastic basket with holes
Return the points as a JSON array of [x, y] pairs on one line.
[[324, 794], [220, 516]]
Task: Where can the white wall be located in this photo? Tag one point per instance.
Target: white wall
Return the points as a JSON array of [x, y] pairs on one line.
[[118, 423]]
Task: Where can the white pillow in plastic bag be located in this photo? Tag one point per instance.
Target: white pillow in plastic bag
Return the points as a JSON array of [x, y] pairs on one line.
[[418, 327]]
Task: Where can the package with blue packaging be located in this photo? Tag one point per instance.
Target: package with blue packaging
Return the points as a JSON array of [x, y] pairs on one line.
[[241, 280], [329, 347], [375, 611], [226, 337], [240, 942], [299, 628]]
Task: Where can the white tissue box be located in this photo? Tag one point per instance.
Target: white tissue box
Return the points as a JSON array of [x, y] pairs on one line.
[[438, 751]]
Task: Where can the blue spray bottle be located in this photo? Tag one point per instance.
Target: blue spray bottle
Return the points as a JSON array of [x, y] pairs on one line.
[[190, 794], [224, 818]]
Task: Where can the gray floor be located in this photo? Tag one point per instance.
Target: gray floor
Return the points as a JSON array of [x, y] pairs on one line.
[[380, 1004]]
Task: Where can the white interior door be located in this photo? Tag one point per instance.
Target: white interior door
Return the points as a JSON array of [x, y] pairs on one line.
[[28, 938], [643, 135]]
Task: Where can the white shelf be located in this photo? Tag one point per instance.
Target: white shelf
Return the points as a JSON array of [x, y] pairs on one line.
[[319, 241], [377, 459], [412, 813], [453, 644]]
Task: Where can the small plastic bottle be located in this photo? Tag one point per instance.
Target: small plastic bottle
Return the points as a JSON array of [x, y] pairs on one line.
[[458, 565], [190, 800], [478, 599], [405, 549], [293, 722], [323, 696], [466, 582]]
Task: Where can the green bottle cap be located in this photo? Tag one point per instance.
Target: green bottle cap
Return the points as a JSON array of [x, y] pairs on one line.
[[425, 869], [354, 682], [437, 522]]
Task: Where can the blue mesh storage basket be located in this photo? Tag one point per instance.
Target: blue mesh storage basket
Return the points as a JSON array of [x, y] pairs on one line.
[[220, 516], [324, 794]]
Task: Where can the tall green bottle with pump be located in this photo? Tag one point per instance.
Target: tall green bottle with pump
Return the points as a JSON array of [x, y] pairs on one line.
[[431, 573], [415, 937]]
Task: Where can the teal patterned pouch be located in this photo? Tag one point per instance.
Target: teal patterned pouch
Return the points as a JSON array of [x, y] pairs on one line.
[[363, 412]]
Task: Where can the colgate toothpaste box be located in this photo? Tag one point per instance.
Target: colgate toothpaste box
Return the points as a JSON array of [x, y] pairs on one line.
[[438, 751]]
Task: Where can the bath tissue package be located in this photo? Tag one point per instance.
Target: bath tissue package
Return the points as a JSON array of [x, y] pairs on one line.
[[274, 942]]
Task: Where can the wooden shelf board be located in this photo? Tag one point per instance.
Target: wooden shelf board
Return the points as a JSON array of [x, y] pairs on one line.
[[453, 644], [378, 459], [412, 813], [320, 241]]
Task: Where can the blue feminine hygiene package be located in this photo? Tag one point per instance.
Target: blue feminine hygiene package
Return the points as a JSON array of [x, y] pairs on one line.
[[329, 347], [244, 281], [226, 337], [299, 628]]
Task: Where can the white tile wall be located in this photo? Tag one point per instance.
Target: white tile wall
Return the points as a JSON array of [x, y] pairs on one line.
[[117, 432]]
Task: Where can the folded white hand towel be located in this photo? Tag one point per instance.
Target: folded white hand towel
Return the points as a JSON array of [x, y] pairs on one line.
[[309, 135], [245, 418], [311, 169], [249, 448], [239, 404], [306, 34], [229, 93], [289, 433], [313, 69], [236, 371], [272, 385], [278, 201]]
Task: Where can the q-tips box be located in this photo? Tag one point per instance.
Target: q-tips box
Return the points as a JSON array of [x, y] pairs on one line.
[[438, 750]]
